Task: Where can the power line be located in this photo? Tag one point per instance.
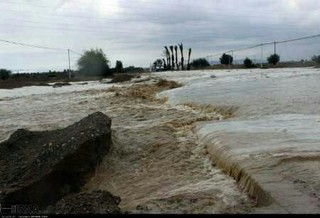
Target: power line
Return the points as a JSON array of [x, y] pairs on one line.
[[266, 43], [33, 46], [44, 47], [298, 39], [75, 52]]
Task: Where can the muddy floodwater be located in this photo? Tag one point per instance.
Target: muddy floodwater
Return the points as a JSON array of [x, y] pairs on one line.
[[258, 152], [272, 144], [156, 164]]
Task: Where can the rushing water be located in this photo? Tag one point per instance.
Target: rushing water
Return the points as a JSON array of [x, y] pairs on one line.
[[274, 135], [275, 130], [45, 107], [279, 101], [257, 92], [152, 165]]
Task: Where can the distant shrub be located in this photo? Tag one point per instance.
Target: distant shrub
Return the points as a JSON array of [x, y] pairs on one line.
[[94, 63], [133, 69], [4, 74], [273, 59], [248, 63], [52, 74], [157, 65], [200, 62], [119, 67], [226, 59], [316, 58]]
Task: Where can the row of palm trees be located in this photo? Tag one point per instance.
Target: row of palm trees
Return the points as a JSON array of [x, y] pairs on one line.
[[172, 60]]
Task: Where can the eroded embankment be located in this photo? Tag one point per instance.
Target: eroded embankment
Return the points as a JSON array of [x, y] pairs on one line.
[[259, 167], [281, 179], [156, 165], [221, 157]]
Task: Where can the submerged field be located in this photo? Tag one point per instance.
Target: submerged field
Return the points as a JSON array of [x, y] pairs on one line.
[[241, 141]]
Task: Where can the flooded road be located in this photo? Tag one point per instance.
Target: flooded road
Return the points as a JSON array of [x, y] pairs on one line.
[[156, 164], [176, 157], [272, 145]]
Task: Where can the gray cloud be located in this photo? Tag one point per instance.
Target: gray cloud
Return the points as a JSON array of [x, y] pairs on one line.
[[136, 31]]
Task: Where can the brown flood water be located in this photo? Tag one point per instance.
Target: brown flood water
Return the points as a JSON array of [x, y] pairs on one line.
[[156, 164]]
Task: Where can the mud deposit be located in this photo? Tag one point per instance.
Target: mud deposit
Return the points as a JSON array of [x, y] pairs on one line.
[[156, 164]]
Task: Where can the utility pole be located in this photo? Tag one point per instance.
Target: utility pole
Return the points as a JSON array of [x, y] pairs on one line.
[[275, 47], [69, 63], [261, 56], [234, 59]]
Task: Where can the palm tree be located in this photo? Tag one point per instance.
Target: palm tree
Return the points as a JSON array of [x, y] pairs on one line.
[[164, 64], [181, 51], [172, 55], [189, 55], [176, 50], [168, 56]]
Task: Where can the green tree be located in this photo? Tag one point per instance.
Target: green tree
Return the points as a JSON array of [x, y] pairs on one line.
[[157, 64], [226, 59], [94, 63], [273, 59], [4, 74], [316, 58], [119, 67], [200, 63], [248, 63], [164, 64]]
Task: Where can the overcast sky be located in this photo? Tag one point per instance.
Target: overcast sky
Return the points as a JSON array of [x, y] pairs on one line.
[[135, 31]]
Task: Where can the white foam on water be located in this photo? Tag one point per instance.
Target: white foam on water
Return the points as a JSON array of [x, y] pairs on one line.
[[277, 120], [43, 90], [257, 92]]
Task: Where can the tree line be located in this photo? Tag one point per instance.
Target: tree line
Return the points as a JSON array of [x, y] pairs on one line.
[[95, 63], [170, 62]]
